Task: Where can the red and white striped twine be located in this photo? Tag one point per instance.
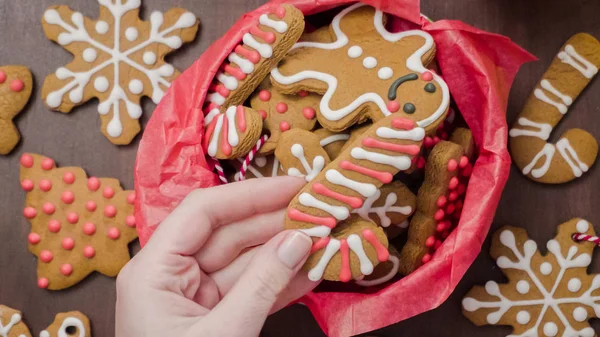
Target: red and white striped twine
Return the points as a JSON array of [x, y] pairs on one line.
[[220, 172], [584, 237], [250, 157]]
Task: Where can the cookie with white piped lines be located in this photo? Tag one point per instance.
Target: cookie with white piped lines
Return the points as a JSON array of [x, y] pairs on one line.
[[301, 154]]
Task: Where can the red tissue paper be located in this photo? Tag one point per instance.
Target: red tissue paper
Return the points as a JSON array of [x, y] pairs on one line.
[[479, 68]]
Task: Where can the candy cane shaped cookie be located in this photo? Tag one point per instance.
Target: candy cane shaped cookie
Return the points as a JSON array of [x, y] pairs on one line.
[[576, 150], [438, 204], [301, 154], [382, 151]]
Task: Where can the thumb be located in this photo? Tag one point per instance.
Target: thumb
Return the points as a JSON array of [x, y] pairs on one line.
[[244, 309]]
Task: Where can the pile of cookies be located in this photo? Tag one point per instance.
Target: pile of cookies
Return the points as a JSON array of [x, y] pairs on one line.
[[361, 114]]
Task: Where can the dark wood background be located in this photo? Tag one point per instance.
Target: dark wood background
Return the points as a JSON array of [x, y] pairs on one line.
[[541, 26]]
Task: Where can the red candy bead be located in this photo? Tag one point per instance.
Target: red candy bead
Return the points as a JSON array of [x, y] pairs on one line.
[[68, 243], [2, 77], [89, 228], [47, 164], [453, 196], [441, 227], [66, 269], [453, 184], [427, 76], [93, 184], [48, 208], [43, 283], [130, 221], [393, 106], [426, 258], [113, 233], [280, 12], [110, 211], [45, 185], [131, 198], [29, 212], [284, 126], [439, 214], [46, 256], [467, 171], [54, 226], [461, 189], [27, 160], [17, 85], [281, 107], [90, 206], [428, 142], [438, 243], [263, 114], [309, 113], [72, 218], [27, 185], [108, 192], [441, 201], [450, 209], [464, 161], [303, 93], [69, 177], [89, 252], [34, 238], [430, 241], [421, 163], [67, 197], [264, 95], [452, 165], [436, 140]]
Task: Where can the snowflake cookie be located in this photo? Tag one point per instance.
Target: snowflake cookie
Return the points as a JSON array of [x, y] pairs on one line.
[[117, 59], [65, 324], [547, 295]]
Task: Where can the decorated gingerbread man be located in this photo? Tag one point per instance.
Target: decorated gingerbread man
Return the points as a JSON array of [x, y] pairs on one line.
[[15, 90]]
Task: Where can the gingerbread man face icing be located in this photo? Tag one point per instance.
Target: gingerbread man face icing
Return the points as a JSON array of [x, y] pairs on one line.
[[364, 82]]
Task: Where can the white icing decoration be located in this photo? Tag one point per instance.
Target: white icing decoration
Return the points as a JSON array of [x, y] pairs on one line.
[[416, 134], [395, 265], [355, 244], [580, 314], [543, 130], [549, 299], [365, 189], [228, 117], [214, 142], [262, 48], [400, 162], [89, 55], [311, 172], [574, 285], [385, 73], [229, 82], [571, 57], [332, 247], [334, 138], [5, 329], [131, 34], [382, 211], [71, 322], [136, 86], [101, 84], [338, 212], [216, 98], [319, 231], [355, 52], [548, 152], [149, 58], [582, 226], [541, 95], [260, 161], [278, 26], [246, 66], [232, 136], [404, 224], [74, 30], [370, 62], [413, 63], [569, 155], [523, 317], [546, 268], [523, 287]]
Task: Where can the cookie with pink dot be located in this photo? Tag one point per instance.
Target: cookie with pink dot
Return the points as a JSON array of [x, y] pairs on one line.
[[79, 224], [15, 89]]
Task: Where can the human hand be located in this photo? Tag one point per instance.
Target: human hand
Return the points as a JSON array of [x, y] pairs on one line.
[[217, 265]]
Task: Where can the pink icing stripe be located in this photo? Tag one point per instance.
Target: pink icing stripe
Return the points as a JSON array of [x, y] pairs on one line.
[[225, 146], [280, 12], [241, 118], [382, 253], [251, 55], [235, 72], [412, 150], [268, 37], [296, 215], [384, 177], [319, 244], [323, 190], [345, 273], [222, 90], [211, 106], [403, 123]]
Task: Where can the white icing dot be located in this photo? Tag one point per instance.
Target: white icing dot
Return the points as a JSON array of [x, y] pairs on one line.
[[89, 55], [550, 329], [149, 58], [574, 285], [523, 317], [385, 73], [136, 86], [523, 287], [131, 33], [580, 314], [101, 84], [546, 268], [168, 70], [355, 51], [583, 226], [370, 62], [102, 27], [260, 161]]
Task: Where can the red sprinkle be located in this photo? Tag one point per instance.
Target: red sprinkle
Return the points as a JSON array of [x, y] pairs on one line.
[[47, 164], [439, 214], [264, 95], [430, 241], [16, 85], [89, 228], [43, 283], [27, 185], [131, 198], [66, 269], [426, 258], [72, 218], [108, 192], [69, 177], [436, 140], [113, 233], [403, 123], [427, 76], [27, 160], [284, 126], [110, 211], [89, 252], [453, 196], [48, 208], [2, 77], [130, 221], [467, 171], [441, 201], [54, 226], [452, 165], [309, 113], [453, 183], [428, 142], [67, 197], [46, 256], [93, 184], [393, 106], [90, 206], [29, 212], [281, 107], [421, 163], [303, 93], [45, 185], [450, 209], [68, 243], [441, 226], [461, 189], [262, 113], [34, 238], [280, 12], [464, 161]]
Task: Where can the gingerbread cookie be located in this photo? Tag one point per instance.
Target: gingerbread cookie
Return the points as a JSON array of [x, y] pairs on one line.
[[301, 155], [15, 89], [464, 138], [382, 151], [384, 271], [392, 204], [332, 142], [281, 112], [374, 70], [439, 203], [570, 72], [11, 324], [232, 134], [117, 59], [78, 224], [546, 295], [355, 132], [66, 324]]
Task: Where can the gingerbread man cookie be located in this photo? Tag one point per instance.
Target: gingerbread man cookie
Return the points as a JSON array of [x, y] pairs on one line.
[[301, 155], [374, 70], [15, 89], [570, 72], [281, 112], [11, 324], [117, 59], [546, 295], [78, 224]]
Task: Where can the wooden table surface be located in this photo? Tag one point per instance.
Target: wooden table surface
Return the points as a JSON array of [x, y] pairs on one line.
[[541, 26]]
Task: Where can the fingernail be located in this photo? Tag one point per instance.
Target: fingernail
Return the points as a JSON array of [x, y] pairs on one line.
[[294, 248]]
